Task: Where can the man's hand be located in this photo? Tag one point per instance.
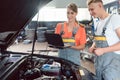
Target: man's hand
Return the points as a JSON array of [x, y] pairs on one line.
[[91, 49], [98, 51]]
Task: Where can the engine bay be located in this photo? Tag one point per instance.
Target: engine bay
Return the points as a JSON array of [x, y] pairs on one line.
[[42, 67]]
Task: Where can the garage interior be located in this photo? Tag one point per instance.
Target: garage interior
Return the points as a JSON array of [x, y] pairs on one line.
[[28, 35], [41, 46]]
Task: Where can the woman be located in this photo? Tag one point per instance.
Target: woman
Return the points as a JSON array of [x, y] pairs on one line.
[[73, 34]]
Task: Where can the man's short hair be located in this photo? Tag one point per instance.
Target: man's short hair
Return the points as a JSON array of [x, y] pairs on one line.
[[93, 1]]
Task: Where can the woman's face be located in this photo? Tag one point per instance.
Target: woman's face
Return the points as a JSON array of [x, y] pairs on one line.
[[71, 15]]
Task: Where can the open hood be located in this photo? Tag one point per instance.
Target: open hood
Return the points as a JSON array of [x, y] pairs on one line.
[[15, 15]]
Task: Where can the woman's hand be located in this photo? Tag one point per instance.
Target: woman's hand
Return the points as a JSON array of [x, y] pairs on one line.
[[80, 47]]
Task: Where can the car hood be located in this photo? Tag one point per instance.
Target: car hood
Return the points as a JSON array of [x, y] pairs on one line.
[[15, 15]]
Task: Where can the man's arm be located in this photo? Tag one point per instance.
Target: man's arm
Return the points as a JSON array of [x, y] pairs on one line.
[[115, 47], [92, 48]]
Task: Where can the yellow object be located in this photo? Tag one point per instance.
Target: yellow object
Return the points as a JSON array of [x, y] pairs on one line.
[[68, 40], [102, 38], [82, 72]]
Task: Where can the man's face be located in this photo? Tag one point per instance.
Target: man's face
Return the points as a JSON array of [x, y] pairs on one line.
[[94, 9]]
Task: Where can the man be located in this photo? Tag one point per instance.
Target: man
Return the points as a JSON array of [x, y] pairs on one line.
[[106, 45]]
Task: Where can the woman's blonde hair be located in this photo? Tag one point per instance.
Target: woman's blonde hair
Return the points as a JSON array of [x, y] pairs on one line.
[[93, 1], [73, 7]]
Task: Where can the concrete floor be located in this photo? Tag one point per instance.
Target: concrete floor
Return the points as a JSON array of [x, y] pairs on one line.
[[39, 49]]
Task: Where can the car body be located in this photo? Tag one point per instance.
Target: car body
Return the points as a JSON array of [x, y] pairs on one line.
[[14, 16]]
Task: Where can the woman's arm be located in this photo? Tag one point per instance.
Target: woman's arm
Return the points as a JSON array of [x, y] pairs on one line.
[[80, 47], [80, 39], [58, 28]]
